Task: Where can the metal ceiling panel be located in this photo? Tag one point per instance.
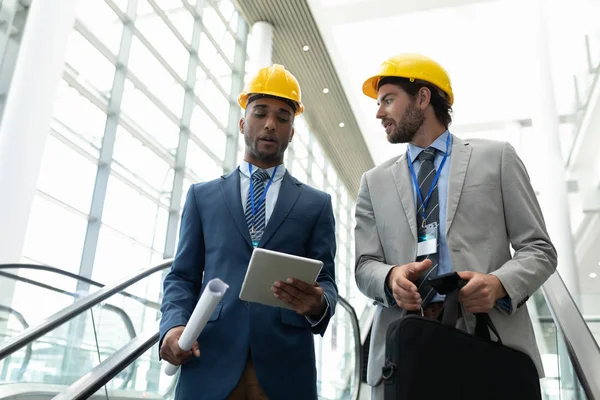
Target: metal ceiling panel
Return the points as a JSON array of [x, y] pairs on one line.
[[295, 27]]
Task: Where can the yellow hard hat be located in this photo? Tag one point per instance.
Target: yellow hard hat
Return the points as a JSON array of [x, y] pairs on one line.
[[273, 81], [411, 66]]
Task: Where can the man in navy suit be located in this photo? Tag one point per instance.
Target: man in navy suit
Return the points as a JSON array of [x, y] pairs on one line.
[[249, 350]]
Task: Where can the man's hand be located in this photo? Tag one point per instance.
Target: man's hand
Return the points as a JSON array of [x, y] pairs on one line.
[[481, 291], [306, 299], [400, 281], [170, 351]]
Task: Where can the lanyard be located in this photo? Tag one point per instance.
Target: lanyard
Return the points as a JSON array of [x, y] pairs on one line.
[[433, 184], [262, 198]]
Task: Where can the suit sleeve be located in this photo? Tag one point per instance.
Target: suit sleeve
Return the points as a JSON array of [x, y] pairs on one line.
[[535, 257], [322, 246], [370, 270], [183, 282]]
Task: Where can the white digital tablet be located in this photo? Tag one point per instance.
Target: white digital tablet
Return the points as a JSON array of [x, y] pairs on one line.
[[267, 266]]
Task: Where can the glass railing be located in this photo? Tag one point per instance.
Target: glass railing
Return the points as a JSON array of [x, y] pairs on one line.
[[570, 354], [52, 361], [589, 306], [338, 374]]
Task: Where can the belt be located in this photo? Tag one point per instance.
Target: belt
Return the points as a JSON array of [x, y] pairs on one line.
[[432, 310]]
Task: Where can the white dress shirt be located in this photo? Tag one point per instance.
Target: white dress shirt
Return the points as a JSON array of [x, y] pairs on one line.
[[272, 193], [271, 200]]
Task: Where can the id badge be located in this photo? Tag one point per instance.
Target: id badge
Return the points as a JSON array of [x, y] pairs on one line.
[[428, 236], [255, 236]]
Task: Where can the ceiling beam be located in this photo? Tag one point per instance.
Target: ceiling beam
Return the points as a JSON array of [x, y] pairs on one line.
[[368, 9], [294, 27]]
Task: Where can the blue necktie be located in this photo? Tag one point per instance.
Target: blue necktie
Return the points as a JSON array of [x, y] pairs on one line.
[[256, 222], [425, 178]]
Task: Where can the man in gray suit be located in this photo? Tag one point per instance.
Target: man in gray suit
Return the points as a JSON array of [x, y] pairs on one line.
[[445, 205]]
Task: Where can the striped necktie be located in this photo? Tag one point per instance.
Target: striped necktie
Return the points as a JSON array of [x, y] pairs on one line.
[[256, 222], [432, 215]]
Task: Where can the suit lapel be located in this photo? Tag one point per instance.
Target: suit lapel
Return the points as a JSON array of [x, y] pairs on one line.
[[288, 194], [461, 153], [230, 189], [404, 187]]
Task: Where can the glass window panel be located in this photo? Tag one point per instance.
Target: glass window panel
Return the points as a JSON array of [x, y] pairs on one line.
[[213, 99], [318, 154], [344, 197], [343, 236], [224, 79], [140, 160], [122, 4], [160, 230], [229, 12], [89, 63], [168, 5], [300, 150], [79, 114], [118, 256], [54, 235], [332, 175], [201, 163], [344, 217], [219, 32], [206, 130], [156, 78], [334, 201], [61, 168], [184, 21], [128, 211], [186, 186], [149, 117], [317, 177], [162, 38], [299, 172], [102, 21]]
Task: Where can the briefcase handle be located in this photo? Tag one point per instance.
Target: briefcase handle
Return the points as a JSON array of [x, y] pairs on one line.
[[450, 313]]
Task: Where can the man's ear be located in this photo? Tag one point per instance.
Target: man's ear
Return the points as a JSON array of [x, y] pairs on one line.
[[424, 97], [292, 135], [242, 123]]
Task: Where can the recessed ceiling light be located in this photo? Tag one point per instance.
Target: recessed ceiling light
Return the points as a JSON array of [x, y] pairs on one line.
[[593, 275], [342, 124], [325, 90], [306, 48]]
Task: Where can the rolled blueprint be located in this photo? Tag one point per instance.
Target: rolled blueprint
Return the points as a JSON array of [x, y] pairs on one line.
[[215, 289]]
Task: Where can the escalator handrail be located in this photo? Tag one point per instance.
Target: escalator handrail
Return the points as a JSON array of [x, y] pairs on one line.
[[14, 344], [109, 368], [117, 310], [357, 345], [77, 277], [582, 348], [101, 374], [28, 351]]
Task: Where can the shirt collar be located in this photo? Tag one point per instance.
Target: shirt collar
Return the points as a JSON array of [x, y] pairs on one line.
[[439, 144], [245, 170]]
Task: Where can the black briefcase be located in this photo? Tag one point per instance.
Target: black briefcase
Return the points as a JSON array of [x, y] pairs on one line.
[[431, 359]]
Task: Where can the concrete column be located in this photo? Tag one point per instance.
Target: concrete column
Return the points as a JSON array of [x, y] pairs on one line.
[[552, 186], [26, 120], [260, 47]]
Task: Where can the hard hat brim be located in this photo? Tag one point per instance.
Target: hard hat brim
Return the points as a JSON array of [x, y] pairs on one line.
[[243, 100], [370, 87]]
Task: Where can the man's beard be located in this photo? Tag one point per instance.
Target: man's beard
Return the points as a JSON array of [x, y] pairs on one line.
[[262, 155], [411, 122]]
